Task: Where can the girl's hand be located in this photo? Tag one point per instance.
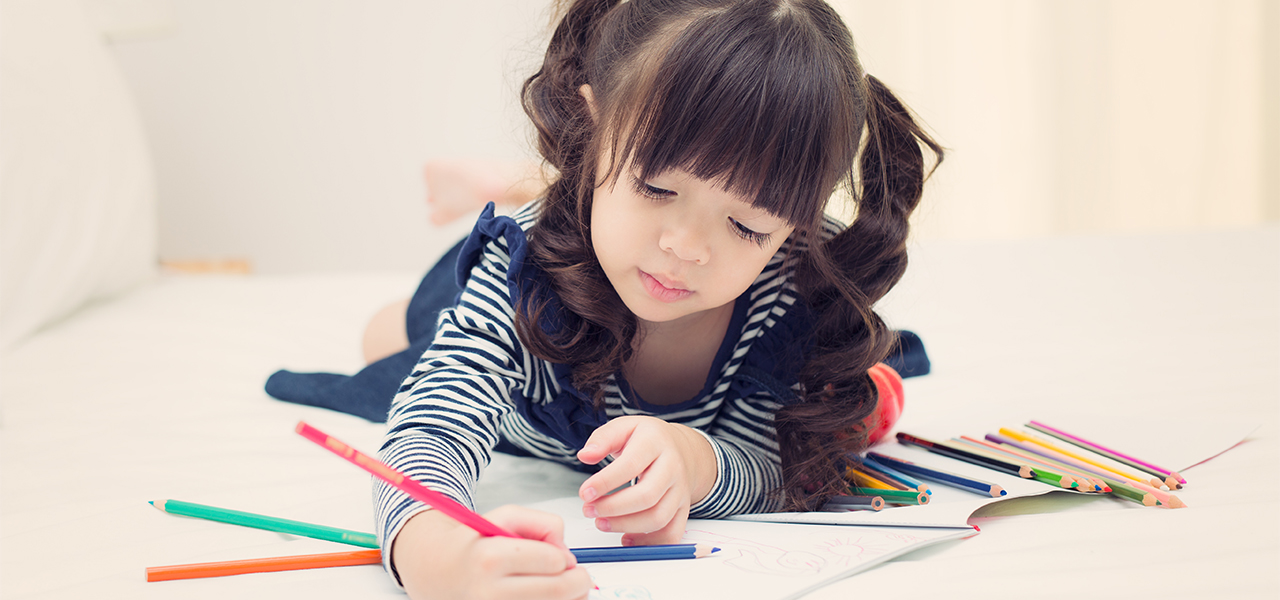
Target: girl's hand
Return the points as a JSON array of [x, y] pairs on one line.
[[437, 557], [675, 467]]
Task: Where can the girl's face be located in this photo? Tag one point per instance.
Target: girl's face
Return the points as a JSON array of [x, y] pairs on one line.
[[675, 246]]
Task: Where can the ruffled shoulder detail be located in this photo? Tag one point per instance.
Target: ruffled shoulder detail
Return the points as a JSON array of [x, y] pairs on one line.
[[570, 416], [490, 228]]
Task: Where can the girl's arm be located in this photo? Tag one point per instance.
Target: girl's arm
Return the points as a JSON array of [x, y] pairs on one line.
[[441, 428]]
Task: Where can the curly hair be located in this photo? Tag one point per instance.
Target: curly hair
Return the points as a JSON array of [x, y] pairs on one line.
[[769, 97]]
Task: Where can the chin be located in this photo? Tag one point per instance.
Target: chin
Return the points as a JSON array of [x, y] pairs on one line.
[[654, 312]]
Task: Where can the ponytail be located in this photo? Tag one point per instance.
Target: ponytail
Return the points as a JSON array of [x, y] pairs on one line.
[[842, 279]]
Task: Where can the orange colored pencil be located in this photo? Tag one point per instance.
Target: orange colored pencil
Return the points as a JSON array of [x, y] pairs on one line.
[[264, 565]]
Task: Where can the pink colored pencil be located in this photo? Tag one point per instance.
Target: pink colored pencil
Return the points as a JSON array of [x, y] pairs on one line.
[[403, 483], [1100, 447]]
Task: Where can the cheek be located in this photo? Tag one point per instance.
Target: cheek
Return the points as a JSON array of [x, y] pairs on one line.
[[608, 224]]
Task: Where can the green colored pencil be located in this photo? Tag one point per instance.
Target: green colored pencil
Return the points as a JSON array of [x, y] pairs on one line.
[[892, 496], [235, 517], [1052, 478]]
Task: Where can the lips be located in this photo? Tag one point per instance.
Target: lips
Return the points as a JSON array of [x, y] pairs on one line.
[[660, 290]]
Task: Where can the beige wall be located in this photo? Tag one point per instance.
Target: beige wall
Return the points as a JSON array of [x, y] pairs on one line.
[[291, 132], [1084, 116]]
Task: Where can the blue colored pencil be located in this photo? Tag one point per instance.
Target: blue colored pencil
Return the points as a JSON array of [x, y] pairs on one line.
[[952, 479], [634, 553]]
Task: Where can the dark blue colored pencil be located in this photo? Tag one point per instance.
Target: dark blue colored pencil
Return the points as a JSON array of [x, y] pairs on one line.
[[633, 553], [951, 479]]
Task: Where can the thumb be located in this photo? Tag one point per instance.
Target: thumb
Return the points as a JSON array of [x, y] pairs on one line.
[[533, 525]]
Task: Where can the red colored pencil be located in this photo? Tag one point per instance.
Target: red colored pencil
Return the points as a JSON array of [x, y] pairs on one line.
[[403, 483], [264, 565]]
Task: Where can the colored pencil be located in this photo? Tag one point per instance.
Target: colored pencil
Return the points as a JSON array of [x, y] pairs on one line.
[[1165, 498], [636, 553], [1030, 472], [959, 454], [1094, 459], [403, 483], [1051, 465], [892, 496], [1064, 473], [235, 517], [264, 565], [1170, 478], [844, 503], [1127, 492], [902, 478], [940, 476], [861, 478]]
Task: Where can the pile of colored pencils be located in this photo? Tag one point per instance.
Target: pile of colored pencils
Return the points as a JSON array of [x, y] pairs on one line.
[[1056, 457], [1041, 452], [873, 486]]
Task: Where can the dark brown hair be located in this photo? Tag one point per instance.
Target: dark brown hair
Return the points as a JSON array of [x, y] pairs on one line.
[[769, 97]]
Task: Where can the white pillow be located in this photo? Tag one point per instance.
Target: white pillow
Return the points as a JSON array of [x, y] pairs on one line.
[[77, 192]]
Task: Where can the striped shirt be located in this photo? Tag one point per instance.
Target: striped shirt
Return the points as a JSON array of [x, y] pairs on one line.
[[478, 388]]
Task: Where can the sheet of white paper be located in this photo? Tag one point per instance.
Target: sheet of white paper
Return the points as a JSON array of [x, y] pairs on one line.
[[756, 560]]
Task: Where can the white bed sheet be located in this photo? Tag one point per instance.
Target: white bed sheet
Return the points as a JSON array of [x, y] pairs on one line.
[[158, 394]]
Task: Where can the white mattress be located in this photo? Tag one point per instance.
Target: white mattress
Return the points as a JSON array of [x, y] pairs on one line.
[[158, 394]]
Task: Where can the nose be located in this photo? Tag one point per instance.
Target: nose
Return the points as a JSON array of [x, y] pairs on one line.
[[685, 240]]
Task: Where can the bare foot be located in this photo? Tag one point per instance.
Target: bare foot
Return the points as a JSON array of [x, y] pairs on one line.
[[460, 187]]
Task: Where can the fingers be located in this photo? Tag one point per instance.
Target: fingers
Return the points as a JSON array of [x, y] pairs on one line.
[[504, 557], [638, 514], [533, 525], [634, 453], [671, 533]]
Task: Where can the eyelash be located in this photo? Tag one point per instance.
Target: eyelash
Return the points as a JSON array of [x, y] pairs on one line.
[[656, 193]]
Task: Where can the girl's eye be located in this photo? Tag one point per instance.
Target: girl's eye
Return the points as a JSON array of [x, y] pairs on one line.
[[755, 237], [650, 191]]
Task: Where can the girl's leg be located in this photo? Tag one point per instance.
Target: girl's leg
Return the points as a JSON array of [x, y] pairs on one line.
[[408, 326], [386, 335]]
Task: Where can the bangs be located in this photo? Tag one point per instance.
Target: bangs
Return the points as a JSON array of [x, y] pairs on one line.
[[749, 100]]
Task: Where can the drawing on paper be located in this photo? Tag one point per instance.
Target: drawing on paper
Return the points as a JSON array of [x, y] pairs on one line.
[[756, 557]]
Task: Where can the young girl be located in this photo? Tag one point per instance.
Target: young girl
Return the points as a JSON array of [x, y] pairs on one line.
[[676, 312]]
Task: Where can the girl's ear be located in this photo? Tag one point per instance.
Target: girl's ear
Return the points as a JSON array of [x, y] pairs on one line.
[[585, 92]]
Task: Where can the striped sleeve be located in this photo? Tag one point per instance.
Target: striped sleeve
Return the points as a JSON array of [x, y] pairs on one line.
[[444, 421], [748, 466]]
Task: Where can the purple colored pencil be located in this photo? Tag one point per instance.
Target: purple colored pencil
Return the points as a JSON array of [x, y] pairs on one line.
[[1097, 446]]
